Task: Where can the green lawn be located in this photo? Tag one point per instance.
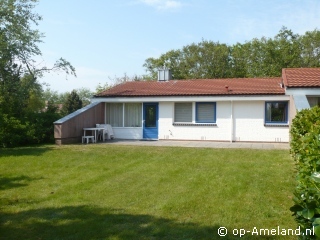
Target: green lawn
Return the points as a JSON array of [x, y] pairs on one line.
[[127, 192]]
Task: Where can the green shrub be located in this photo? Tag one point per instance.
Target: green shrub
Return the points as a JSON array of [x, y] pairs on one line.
[[305, 149], [36, 128], [42, 125], [12, 131]]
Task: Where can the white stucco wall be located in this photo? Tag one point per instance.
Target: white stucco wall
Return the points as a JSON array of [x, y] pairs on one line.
[[239, 119], [245, 124], [167, 130], [249, 124], [127, 133]]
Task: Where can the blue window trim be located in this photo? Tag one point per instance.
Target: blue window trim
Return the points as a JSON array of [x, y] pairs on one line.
[[214, 112], [275, 122]]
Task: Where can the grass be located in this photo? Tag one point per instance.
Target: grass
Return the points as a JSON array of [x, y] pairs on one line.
[[126, 192]]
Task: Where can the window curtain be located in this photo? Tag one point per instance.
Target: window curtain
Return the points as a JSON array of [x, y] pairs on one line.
[[115, 114], [133, 114], [268, 112]]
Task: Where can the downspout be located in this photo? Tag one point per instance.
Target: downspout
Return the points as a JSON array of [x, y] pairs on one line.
[[105, 113], [231, 120]]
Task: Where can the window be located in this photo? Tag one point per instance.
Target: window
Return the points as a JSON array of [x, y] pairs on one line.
[[276, 112], [202, 112], [206, 112], [124, 114], [115, 114], [183, 112], [132, 114], [313, 101], [150, 115]]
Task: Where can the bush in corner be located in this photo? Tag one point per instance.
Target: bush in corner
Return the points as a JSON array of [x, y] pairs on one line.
[[305, 149]]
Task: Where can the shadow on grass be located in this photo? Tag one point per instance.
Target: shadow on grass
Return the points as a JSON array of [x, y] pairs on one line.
[[15, 182], [85, 222], [24, 151]]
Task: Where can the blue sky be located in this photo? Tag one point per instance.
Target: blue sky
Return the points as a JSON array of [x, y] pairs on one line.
[[107, 38]]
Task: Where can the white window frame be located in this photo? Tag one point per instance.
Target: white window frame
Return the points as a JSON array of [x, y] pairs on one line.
[[123, 123]]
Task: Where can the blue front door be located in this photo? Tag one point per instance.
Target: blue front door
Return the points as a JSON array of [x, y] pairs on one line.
[[150, 120]]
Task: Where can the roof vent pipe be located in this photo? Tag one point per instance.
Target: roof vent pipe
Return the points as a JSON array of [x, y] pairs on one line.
[[164, 74]]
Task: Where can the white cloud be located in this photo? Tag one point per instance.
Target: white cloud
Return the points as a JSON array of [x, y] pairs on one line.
[[163, 4]]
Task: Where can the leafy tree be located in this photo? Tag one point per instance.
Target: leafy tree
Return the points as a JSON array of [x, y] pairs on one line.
[[31, 94], [310, 49], [171, 59], [102, 87], [288, 48], [203, 60], [72, 104], [20, 91], [238, 61], [85, 95], [264, 57], [54, 97], [51, 108], [19, 40]]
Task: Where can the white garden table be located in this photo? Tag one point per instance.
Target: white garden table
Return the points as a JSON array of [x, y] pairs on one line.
[[95, 129]]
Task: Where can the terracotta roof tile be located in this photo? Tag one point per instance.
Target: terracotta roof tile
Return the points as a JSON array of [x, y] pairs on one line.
[[301, 77], [197, 87]]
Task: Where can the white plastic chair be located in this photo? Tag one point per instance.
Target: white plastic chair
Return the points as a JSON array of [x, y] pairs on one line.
[[110, 131], [107, 133], [100, 132]]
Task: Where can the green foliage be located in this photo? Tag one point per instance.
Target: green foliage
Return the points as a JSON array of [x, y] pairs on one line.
[[42, 125], [21, 95], [72, 103], [264, 57], [102, 87], [11, 131], [85, 95], [305, 149], [37, 128], [54, 97], [203, 60], [310, 48]]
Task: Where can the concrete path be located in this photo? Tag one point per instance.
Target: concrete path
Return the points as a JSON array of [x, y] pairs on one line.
[[201, 144]]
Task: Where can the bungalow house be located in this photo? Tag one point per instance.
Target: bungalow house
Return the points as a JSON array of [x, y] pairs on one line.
[[240, 109]]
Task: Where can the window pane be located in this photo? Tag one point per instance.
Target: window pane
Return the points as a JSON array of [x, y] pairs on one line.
[[115, 114], [151, 116], [132, 114], [183, 112], [205, 112], [276, 112]]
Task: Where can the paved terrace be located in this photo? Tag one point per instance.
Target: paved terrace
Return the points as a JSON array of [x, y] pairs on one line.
[[202, 144]]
